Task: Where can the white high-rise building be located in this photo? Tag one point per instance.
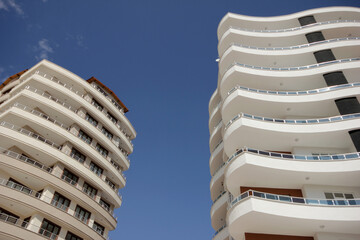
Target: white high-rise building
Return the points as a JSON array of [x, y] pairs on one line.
[[64, 147], [285, 127]]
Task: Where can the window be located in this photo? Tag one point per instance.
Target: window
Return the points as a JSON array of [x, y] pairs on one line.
[[25, 222], [115, 164], [98, 228], [107, 133], [339, 195], [91, 120], [77, 155], [12, 183], [49, 229], [101, 90], [71, 236], [96, 169], [105, 204], [102, 150], [110, 183], [60, 201], [97, 105], [82, 214], [8, 216], [89, 190], [69, 177], [83, 136], [112, 118]]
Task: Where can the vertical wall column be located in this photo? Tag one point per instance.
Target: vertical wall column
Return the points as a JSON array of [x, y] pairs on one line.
[[345, 105]]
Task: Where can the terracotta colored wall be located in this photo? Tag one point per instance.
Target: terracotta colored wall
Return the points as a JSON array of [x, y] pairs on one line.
[[280, 191], [256, 236]]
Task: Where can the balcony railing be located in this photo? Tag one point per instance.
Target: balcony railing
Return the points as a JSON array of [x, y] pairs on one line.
[[23, 224], [217, 145], [31, 134], [59, 205], [54, 79], [294, 121], [334, 157], [25, 108], [295, 28], [37, 164], [293, 47], [296, 200], [218, 197], [110, 99], [292, 68], [219, 230], [295, 93]]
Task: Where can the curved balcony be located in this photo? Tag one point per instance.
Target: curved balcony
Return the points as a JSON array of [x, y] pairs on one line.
[[41, 99], [214, 100], [259, 212], [299, 78], [346, 49], [68, 79], [284, 134], [78, 97], [216, 157], [216, 135], [22, 196], [55, 178], [215, 117], [251, 167], [285, 22], [12, 228], [315, 102], [219, 209], [52, 155], [217, 184]]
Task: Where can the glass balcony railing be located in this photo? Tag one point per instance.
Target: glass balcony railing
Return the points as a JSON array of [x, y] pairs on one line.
[[217, 145], [334, 157], [297, 200], [294, 121], [292, 68], [218, 197], [295, 28], [295, 93], [219, 230], [293, 47]]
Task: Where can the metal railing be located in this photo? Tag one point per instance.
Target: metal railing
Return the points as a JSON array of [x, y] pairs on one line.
[[218, 197], [294, 121], [54, 79], [108, 98], [296, 200], [37, 164], [293, 47], [291, 68], [31, 134], [217, 145], [23, 224], [219, 230], [295, 28], [295, 93], [25, 108]]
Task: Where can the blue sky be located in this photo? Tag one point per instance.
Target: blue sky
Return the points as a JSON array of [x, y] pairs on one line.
[[159, 57]]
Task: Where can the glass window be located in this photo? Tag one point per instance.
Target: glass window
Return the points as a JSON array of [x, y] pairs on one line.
[[18, 186], [105, 204], [10, 217], [91, 120], [60, 201], [77, 155], [49, 229], [71, 236], [98, 228], [83, 136], [82, 214], [89, 190], [97, 105], [107, 133], [69, 177], [96, 169], [102, 150], [101, 90], [112, 118], [110, 183]]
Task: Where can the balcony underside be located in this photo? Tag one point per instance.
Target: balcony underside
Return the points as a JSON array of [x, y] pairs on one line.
[[249, 169], [264, 216]]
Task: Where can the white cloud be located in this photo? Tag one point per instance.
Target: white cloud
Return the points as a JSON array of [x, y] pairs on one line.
[[11, 4], [43, 49]]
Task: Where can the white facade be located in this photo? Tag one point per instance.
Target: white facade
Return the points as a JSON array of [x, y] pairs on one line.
[[285, 127], [64, 147]]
